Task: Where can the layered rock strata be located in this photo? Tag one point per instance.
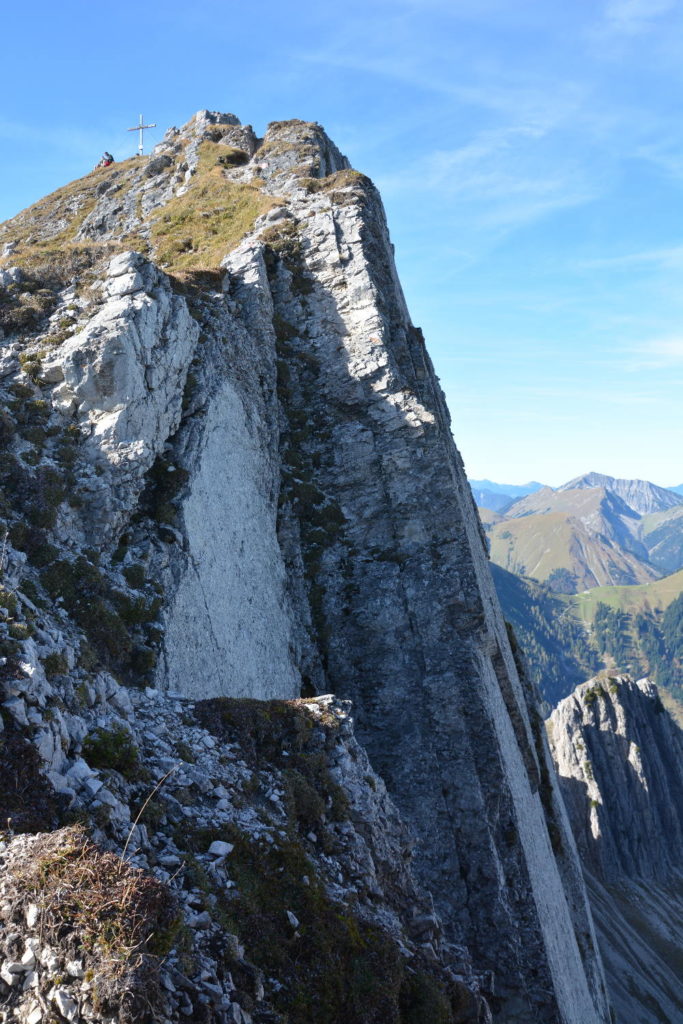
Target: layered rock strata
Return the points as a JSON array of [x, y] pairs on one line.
[[254, 492], [619, 757]]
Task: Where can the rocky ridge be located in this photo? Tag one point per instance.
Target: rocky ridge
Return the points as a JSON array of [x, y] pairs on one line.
[[619, 757], [229, 474], [593, 531], [640, 495]]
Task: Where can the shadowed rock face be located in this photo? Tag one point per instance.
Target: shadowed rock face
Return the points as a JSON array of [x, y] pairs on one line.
[[268, 438], [619, 757]]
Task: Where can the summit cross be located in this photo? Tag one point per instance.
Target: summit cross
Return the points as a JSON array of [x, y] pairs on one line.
[[141, 128]]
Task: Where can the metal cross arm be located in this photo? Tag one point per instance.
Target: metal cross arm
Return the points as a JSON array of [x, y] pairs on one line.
[[141, 128]]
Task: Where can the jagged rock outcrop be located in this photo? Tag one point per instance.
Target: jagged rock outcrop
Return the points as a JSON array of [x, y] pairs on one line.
[[238, 480], [619, 757]]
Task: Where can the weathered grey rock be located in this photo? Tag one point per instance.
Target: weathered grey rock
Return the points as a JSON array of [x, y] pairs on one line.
[[66, 1005], [156, 165], [123, 379], [220, 849], [10, 275], [323, 538], [619, 757]]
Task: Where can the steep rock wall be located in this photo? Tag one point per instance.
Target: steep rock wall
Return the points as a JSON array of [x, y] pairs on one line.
[[301, 514]]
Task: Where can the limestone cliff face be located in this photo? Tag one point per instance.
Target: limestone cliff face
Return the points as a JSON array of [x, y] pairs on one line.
[[619, 758], [254, 492]]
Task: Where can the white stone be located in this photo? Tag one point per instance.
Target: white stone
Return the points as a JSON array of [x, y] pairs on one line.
[[9, 275], [60, 784], [66, 1005], [28, 959], [126, 284], [74, 968], [17, 708], [92, 786], [220, 849], [79, 772], [105, 796], [293, 919], [11, 972], [49, 959], [170, 860]]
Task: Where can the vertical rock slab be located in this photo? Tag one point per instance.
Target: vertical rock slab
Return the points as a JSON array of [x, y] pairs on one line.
[[404, 614]]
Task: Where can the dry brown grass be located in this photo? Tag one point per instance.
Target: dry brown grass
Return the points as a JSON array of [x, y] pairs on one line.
[[95, 905], [195, 231], [55, 219]]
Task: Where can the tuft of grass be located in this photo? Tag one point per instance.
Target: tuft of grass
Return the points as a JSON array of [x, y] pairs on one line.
[[114, 749], [336, 180], [55, 664], [120, 920]]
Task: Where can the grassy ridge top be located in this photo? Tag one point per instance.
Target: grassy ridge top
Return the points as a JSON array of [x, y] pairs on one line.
[[196, 230], [192, 231], [56, 218]]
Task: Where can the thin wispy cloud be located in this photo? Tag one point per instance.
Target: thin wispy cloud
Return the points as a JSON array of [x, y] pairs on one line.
[[666, 155], [632, 17], [500, 177], [665, 259], [659, 354]]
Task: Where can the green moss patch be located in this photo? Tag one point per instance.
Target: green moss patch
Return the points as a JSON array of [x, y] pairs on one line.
[[114, 749], [332, 965], [115, 624]]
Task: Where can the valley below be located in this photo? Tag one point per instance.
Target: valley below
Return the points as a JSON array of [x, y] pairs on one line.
[[591, 576]]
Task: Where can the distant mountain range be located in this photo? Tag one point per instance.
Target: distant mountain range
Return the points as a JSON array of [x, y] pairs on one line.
[[593, 531], [510, 490], [640, 495], [591, 574], [488, 494]]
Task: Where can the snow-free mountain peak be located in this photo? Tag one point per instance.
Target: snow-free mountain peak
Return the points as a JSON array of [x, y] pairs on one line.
[[641, 495]]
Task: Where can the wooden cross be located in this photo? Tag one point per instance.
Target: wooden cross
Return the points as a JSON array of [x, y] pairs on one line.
[[141, 128]]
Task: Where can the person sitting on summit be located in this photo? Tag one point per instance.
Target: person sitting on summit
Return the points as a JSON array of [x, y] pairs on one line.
[[106, 160]]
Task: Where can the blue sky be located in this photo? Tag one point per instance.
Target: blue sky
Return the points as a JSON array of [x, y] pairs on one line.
[[530, 156]]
